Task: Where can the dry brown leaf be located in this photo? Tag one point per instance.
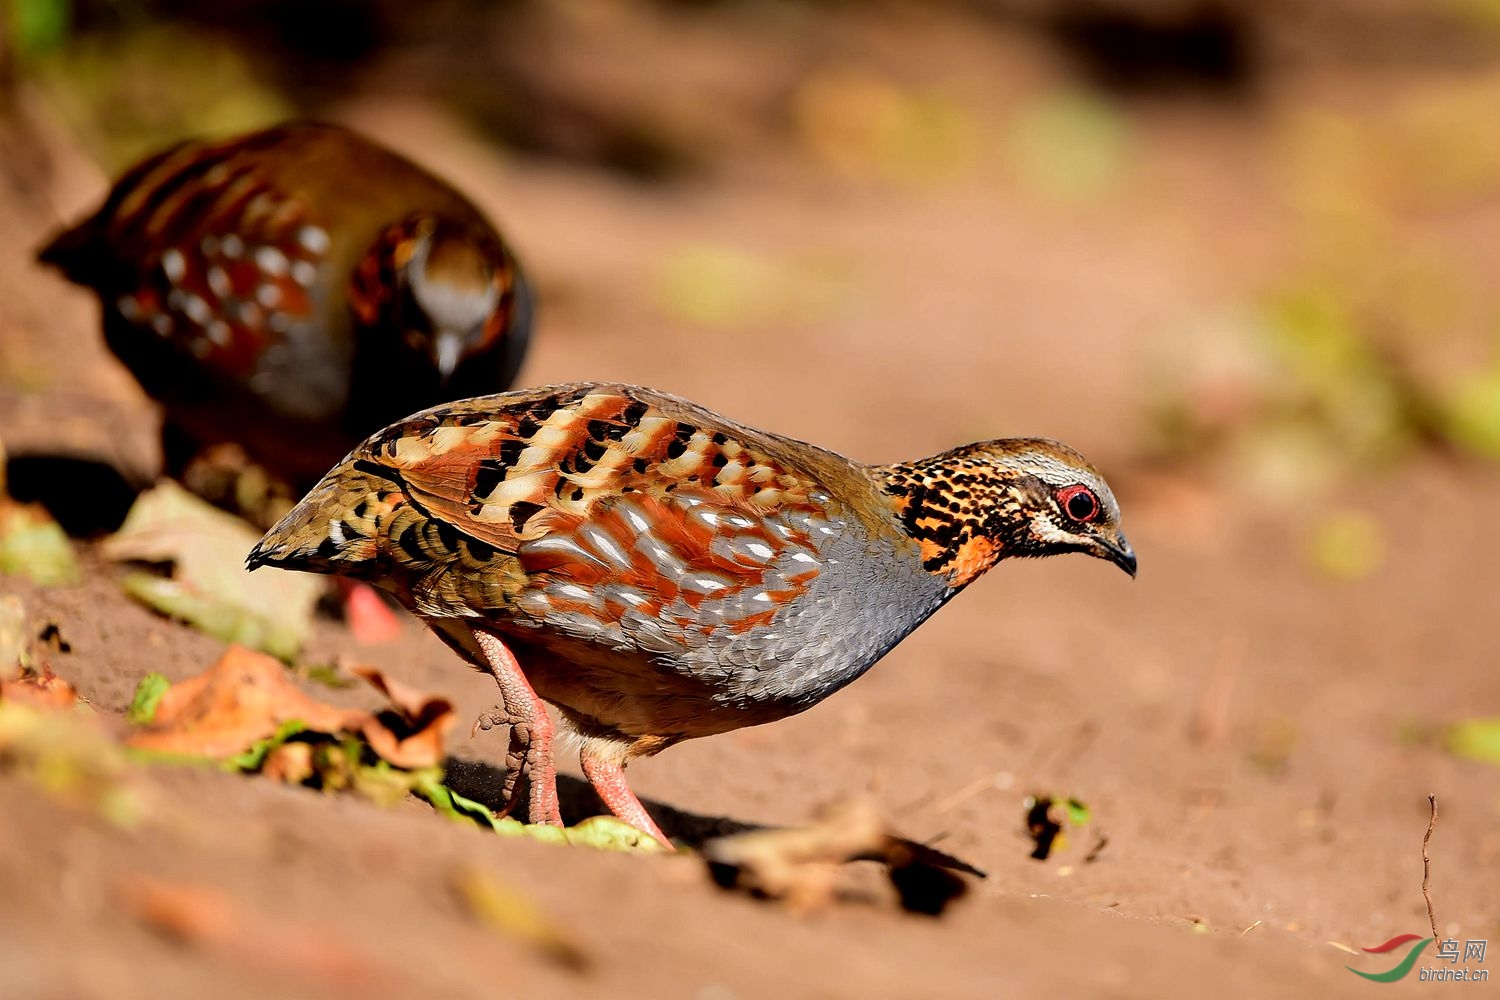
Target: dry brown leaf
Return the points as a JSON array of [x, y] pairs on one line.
[[191, 914], [798, 864], [243, 698], [247, 696], [801, 865], [40, 689], [14, 642], [210, 586], [422, 722]]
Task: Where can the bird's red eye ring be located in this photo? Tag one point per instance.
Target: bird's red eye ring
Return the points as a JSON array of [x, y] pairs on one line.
[[1079, 503]]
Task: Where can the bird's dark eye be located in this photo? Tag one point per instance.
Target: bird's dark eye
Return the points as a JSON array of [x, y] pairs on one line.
[[1079, 503]]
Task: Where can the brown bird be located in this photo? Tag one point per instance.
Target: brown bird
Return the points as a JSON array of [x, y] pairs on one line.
[[295, 289], [658, 572]]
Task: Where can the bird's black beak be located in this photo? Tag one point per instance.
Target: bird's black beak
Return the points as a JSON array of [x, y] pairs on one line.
[[1118, 551]]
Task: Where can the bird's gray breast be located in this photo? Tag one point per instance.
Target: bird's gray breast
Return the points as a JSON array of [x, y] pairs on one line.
[[785, 607], [868, 595]]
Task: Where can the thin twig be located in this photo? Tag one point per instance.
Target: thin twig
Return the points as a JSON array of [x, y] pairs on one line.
[[1427, 863], [976, 787]]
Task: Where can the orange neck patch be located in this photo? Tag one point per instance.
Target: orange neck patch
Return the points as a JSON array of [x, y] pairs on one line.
[[974, 556]]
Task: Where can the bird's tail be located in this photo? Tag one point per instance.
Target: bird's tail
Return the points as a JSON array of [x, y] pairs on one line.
[[85, 252], [74, 252], [334, 529]]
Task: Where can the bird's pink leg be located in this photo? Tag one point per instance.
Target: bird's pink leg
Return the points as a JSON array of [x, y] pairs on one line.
[[530, 731], [608, 778]]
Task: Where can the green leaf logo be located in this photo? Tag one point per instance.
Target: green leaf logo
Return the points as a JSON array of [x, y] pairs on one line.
[[1402, 968]]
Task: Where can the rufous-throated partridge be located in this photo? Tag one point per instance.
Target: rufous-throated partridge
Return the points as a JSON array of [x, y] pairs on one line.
[[294, 290], [658, 572]]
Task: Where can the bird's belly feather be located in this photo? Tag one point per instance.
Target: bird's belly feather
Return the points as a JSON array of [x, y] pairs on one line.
[[644, 677]]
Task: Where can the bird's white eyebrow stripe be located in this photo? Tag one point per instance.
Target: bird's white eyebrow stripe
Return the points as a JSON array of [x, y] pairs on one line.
[[1051, 470], [1056, 473]]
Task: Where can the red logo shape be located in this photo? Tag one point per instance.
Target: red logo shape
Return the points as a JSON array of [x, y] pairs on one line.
[[1393, 944]]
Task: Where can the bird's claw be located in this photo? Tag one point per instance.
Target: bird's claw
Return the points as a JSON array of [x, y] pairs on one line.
[[517, 760], [489, 719], [518, 756]]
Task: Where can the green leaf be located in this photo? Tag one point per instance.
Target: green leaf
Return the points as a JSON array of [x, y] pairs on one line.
[[610, 833], [1476, 739], [255, 755], [468, 807], [386, 785], [1078, 813], [438, 794], [497, 904], [476, 809], [544, 832], [70, 760], [40, 25], [326, 674], [605, 833], [448, 802], [1471, 409], [34, 546], [223, 621], [1071, 146], [1347, 545], [174, 758], [148, 695]]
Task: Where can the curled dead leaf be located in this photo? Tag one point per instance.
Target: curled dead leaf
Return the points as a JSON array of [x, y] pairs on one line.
[[411, 736], [801, 865], [243, 698], [39, 689], [247, 698]]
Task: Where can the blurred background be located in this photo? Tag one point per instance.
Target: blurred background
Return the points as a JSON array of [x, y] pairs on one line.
[[1240, 254], [1246, 235]]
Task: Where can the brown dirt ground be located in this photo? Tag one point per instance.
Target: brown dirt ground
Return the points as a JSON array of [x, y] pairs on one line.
[[1231, 718]]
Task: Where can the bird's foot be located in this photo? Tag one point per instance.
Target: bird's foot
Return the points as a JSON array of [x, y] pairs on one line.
[[518, 760], [608, 778], [531, 734]]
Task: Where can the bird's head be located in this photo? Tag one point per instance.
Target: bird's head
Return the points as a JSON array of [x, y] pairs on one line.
[[1017, 497], [449, 290]]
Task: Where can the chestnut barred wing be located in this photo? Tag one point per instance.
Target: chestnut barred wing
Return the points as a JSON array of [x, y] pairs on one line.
[[619, 513], [201, 248]]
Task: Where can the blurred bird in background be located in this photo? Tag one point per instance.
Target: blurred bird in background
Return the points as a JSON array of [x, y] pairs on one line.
[[284, 294], [293, 290]]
